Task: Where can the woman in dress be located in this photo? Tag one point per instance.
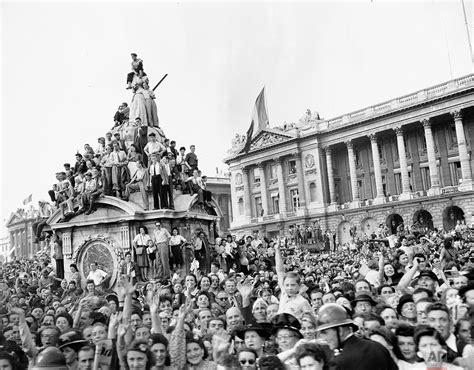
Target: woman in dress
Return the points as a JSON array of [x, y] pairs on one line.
[[151, 110], [138, 106], [140, 244], [176, 244], [133, 158]]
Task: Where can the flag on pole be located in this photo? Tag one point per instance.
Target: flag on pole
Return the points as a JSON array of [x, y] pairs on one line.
[[260, 114], [259, 117], [28, 199]]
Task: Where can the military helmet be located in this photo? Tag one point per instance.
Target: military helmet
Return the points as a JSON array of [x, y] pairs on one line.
[[50, 358], [332, 315]]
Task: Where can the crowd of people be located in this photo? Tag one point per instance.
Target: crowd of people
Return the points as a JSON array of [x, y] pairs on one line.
[[119, 165], [251, 302]]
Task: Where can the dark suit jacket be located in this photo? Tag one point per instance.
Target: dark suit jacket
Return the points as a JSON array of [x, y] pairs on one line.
[[362, 354]]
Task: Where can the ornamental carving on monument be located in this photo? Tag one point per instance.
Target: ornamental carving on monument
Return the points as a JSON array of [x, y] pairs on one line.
[[309, 161], [266, 139], [238, 179]]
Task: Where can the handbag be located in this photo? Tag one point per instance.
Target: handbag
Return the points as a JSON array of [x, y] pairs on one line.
[[139, 250]]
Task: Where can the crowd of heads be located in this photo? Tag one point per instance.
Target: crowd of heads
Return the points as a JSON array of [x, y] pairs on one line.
[[257, 301]]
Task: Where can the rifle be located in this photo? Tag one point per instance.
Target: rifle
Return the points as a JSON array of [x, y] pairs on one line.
[[158, 84]]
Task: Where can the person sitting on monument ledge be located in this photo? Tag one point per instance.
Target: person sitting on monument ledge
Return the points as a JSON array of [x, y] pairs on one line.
[[139, 182], [80, 165], [108, 138], [121, 115], [92, 191], [137, 66], [68, 194], [88, 151], [45, 211], [101, 148]]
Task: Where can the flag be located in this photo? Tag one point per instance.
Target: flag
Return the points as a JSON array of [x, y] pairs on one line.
[[249, 138], [259, 116], [28, 199]]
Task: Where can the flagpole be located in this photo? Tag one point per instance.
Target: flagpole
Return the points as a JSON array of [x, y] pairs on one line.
[[468, 34]]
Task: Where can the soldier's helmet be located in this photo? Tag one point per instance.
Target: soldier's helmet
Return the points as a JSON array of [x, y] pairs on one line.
[[50, 358], [332, 315]]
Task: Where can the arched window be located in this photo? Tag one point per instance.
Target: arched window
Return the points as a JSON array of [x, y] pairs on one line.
[[241, 206], [312, 192]]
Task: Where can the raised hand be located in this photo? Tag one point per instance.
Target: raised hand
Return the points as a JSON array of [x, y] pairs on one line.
[[122, 329], [245, 288], [221, 341]]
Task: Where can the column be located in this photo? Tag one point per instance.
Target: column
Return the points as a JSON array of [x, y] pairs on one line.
[[379, 198], [300, 179], [353, 171], [229, 210], [463, 154], [430, 151], [263, 189], [403, 164], [332, 187], [246, 184], [281, 187]]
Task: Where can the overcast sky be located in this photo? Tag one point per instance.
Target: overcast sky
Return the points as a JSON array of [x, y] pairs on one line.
[[64, 67]]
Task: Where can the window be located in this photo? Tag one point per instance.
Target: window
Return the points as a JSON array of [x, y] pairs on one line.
[[292, 166], [381, 152], [275, 203], [455, 173], [425, 178], [273, 171], [312, 192], [256, 174], [295, 199], [258, 206], [452, 139], [384, 185], [241, 206], [398, 183], [357, 158], [422, 141]]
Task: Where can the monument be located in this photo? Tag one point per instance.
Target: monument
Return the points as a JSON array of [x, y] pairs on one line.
[[106, 234]]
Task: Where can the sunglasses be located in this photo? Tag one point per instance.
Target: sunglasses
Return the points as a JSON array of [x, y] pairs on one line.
[[247, 361]]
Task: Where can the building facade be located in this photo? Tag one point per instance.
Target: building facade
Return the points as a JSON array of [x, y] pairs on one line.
[[20, 230], [404, 160]]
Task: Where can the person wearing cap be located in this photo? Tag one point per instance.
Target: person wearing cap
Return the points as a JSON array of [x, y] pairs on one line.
[[120, 142], [286, 329], [337, 329], [426, 279]]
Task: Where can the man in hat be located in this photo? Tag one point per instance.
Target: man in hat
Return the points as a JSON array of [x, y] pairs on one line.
[[286, 329], [351, 352], [426, 279], [69, 344], [363, 303]]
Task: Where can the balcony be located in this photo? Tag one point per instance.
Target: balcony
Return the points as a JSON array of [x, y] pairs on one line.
[[450, 189], [402, 102]]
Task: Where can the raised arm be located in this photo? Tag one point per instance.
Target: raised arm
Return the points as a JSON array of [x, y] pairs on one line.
[[408, 276], [279, 263]]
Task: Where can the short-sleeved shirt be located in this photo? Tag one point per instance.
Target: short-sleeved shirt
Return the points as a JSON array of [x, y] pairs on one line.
[[96, 276]]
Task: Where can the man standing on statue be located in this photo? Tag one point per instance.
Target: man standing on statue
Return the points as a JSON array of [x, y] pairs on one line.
[[162, 238]]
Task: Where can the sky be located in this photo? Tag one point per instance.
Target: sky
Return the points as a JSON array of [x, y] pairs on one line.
[[64, 66]]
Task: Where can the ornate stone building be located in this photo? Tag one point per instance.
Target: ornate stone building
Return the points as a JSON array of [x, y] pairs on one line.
[[21, 237], [404, 160]]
